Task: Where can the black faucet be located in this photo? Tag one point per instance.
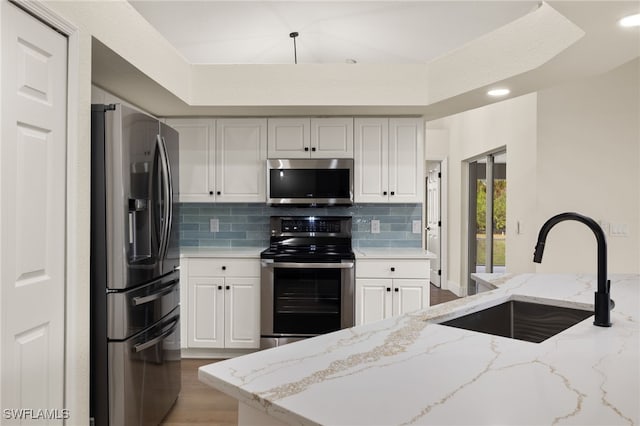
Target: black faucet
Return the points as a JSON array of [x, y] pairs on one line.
[[603, 302]]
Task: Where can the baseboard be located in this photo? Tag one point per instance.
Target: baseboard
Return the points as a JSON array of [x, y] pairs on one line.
[[214, 353], [456, 289]]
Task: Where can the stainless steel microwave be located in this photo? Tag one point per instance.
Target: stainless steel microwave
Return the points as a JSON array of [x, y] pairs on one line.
[[310, 182]]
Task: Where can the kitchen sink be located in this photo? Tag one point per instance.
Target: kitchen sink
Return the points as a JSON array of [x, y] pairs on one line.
[[533, 322]]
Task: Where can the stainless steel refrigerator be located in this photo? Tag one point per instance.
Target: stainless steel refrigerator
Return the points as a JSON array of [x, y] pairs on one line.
[[135, 262]]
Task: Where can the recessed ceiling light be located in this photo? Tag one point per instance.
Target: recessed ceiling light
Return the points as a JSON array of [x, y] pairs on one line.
[[498, 92], [630, 21]]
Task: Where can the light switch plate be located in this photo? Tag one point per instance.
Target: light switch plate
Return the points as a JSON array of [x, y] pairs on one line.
[[214, 225], [416, 226], [375, 226]]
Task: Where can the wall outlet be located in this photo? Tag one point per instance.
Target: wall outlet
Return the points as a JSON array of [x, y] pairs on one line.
[[375, 226], [214, 225], [416, 227], [619, 230]]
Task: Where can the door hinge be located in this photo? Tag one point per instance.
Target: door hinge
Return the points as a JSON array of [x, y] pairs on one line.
[[439, 174], [439, 223], [439, 271]]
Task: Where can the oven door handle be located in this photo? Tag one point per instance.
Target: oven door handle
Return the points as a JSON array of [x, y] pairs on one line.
[[313, 265]]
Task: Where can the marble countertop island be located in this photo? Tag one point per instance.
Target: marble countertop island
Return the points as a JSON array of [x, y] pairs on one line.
[[410, 370]]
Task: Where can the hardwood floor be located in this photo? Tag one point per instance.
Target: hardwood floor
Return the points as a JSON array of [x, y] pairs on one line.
[[440, 296], [199, 404]]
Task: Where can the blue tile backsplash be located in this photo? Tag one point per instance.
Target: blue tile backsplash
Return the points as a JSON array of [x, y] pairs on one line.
[[247, 224]]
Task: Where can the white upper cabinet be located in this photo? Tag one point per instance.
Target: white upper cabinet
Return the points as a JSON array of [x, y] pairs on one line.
[[241, 153], [303, 137], [388, 160], [197, 158], [289, 137], [332, 137], [222, 160]]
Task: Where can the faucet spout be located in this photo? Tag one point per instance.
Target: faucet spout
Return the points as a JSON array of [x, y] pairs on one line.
[[603, 302]]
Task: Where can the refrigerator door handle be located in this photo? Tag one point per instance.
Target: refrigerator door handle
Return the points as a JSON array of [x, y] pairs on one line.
[[137, 301], [170, 192], [166, 189], [149, 343]]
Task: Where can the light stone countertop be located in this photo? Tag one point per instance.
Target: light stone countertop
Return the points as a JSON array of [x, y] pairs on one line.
[[411, 370], [392, 253], [214, 252]]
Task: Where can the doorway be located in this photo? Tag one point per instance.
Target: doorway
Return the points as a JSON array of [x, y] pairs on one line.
[[432, 230], [487, 215], [435, 215]]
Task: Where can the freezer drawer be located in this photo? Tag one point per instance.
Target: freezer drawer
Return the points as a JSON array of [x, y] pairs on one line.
[[144, 375], [129, 312]]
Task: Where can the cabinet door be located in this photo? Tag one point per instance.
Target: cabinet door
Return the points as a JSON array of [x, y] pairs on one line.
[[289, 138], [197, 157], [410, 295], [406, 160], [241, 153], [242, 313], [373, 300], [371, 146], [332, 137], [206, 312]]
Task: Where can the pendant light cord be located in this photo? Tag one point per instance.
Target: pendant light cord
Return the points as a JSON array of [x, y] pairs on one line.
[[293, 35]]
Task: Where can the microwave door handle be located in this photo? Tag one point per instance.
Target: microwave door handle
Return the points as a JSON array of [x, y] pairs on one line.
[[149, 343]]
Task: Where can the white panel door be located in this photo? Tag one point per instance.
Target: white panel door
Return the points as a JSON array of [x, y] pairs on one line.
[[289, 137], [32, 212], [242, 313], [433, 221], [206, 312], [332, 137], [370, 158], [406, 159], [410, 295], [373, 300], [197, 157], [241, 154]]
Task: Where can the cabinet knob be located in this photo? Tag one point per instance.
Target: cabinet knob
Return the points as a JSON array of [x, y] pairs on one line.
[[227, 288], [389, 289], [384, 193], [393, 269], [219, 287], [218, 192], [313, 149], [393, 193], [210, 192], [396, 289], [306, 148], [224, 268]]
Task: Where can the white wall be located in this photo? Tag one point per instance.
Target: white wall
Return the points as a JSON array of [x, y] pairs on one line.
[[589, 162], [511, 125], [574, 147]]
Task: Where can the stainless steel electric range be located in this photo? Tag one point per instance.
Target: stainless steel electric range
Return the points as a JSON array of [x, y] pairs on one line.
[[307, 279]]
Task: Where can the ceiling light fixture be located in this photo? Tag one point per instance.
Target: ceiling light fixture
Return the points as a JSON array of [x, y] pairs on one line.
[[293, 35], [630, 21], [496, 93]]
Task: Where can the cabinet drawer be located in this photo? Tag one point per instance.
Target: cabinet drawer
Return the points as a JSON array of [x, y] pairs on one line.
[[224, 267], [394, 268]]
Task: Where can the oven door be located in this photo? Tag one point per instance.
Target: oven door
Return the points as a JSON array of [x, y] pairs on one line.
[[306, 299]]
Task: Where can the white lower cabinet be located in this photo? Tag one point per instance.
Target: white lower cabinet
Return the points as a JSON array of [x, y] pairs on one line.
[[223, 308], [386, 288]]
